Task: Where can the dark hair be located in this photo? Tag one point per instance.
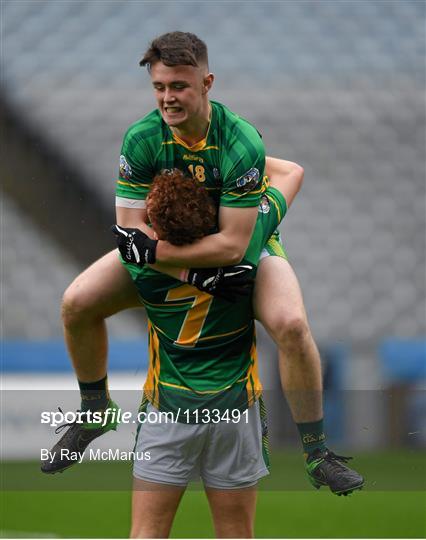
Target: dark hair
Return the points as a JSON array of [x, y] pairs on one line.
[[176, 49], [180, 207]]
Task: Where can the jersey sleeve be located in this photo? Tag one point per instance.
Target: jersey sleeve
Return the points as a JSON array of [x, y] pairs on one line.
[[278, 205], [272, 209], [242, 167], [136, 167]]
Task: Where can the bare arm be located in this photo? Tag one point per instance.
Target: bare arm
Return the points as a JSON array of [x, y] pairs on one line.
[[285, 176], [236, 226], [136, 218], [224, 248]]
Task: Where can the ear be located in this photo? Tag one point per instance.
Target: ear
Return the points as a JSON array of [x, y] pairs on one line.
[[208, 82]]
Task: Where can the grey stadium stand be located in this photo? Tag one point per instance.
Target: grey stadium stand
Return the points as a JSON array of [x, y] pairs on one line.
[[35, 273], [337, 87]]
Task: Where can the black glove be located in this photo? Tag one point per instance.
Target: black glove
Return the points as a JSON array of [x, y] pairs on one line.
[[134, 245], [226, 282]]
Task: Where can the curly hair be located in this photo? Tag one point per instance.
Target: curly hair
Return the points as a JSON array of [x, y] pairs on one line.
[[180, 210]]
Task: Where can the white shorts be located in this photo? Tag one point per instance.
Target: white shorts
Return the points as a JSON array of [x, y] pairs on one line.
[[225, 455]]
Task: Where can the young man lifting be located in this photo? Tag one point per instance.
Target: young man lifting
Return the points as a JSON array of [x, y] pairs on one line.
[[226, 154]]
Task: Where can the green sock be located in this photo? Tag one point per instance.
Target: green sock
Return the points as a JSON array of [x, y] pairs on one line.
[[94, 395], [312, 435]]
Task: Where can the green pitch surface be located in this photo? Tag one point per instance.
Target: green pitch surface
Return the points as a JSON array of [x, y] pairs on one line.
[[50, 506]]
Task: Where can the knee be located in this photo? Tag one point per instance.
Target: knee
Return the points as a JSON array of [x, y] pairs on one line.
[[75, 307], [291, 331], [151, 528], [237, 525]]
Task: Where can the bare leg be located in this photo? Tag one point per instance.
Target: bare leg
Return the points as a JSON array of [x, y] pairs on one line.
[[233, 511], [100, 291], [279, 307], [154, 507]]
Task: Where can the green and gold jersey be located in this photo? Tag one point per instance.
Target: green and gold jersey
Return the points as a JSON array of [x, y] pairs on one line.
[[202, 350], [229, 162]]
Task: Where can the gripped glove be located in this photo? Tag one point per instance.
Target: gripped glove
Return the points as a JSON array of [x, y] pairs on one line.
[[227, 282], [134, 245]]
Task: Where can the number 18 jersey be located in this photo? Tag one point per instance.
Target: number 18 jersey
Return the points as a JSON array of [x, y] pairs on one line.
[[229, 162]]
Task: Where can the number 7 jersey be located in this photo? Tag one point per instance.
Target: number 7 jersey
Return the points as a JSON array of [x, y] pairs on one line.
[[202, 349]]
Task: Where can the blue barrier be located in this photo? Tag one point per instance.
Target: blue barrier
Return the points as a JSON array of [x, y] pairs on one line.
[[335, 365], [18, 356], [403, 363], [403, 360]]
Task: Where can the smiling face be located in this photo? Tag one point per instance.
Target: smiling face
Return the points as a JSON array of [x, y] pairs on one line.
[[181, 94]]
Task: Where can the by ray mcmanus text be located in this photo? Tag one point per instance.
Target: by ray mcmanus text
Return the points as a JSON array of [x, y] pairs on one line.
[[112, 454]]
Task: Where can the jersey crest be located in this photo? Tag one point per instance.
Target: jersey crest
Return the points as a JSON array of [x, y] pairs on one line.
[[248, 180], [125, 169]]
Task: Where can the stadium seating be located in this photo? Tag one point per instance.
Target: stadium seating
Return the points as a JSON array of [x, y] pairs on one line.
[[336, 86], [35, 273]]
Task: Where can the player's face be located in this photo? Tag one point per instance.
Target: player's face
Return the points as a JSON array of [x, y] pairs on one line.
[[181, 92]]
